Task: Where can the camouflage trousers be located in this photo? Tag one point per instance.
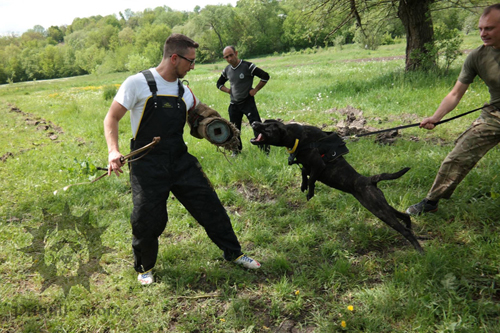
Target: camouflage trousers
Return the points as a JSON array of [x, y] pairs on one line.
[[470, 147]]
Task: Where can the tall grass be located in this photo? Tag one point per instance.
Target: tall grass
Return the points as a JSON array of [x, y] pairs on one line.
[[328, 265]]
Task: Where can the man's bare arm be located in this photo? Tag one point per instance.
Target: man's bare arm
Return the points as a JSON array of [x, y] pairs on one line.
[[113, 117], [447, 105]]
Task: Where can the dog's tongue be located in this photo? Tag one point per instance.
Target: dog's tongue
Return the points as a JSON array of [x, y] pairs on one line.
[[257, 139]]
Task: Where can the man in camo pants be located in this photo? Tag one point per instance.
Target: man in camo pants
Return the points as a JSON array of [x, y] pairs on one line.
[[484, 133]]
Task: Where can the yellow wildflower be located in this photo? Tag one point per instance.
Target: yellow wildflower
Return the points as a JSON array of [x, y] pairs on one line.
[[350, 308], [297, 292], [343, 324]]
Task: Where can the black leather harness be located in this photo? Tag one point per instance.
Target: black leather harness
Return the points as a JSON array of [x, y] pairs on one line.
[[330, 148]]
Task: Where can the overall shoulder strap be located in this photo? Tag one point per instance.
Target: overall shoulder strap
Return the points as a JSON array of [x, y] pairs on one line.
[[152, 85], [180, 94]]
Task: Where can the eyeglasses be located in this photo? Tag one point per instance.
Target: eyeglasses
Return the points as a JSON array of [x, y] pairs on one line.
[[191, 61]]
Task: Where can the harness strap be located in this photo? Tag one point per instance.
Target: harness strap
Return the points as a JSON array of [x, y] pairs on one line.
[[180, 94], [330, 147], [152, 85], [153, 88]]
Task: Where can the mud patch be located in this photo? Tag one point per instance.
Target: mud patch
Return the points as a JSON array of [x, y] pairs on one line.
[[252, 192], [6, 156], [354, 123], [291, 326], [40, 123], [51, 130]]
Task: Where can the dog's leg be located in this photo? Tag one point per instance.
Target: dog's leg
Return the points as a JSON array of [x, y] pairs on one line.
[[310, 193], [317, 166], [373, 199], [308, 182], [404, 217], [305, 179]]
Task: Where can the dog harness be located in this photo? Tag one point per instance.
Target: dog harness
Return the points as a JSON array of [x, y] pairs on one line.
[[329, 147]]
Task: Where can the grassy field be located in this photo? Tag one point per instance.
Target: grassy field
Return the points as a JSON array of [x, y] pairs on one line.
[[328, 265]]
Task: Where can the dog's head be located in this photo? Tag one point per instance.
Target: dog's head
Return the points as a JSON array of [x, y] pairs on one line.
[[271, 132]]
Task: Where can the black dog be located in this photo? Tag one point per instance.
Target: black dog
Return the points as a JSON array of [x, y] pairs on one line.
[[320, 154]]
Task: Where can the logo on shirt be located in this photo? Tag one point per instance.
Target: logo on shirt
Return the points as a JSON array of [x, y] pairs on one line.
[[242, 76], [167, 105]]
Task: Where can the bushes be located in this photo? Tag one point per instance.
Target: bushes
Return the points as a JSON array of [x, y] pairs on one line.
[[109, 92]]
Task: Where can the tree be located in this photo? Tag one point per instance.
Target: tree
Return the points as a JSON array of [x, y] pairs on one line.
[[216, 19], [302, 31], [150, 34], [262, 27], [416, 18], [213, 28], [56, 34], [126, 36], [415, 15]]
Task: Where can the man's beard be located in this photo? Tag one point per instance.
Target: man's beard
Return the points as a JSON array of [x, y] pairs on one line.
[[180, 74]]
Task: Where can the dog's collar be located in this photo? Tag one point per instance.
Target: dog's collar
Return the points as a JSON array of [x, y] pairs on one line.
[[291, 151]]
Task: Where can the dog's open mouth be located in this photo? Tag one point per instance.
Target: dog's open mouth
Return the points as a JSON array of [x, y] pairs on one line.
[[258, 140]]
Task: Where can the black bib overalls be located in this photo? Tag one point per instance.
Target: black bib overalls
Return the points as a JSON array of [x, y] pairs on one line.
[[168, 167]]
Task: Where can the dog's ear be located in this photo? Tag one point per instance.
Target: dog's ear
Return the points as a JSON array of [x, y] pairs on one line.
[[268, 121]]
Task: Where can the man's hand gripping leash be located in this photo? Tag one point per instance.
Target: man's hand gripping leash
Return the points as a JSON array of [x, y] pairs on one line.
[[146, 149]]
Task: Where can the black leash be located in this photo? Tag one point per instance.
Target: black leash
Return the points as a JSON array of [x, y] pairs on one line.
[[417, 124]]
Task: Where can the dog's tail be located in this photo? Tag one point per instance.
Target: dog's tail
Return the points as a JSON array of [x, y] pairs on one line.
[[388, 176]]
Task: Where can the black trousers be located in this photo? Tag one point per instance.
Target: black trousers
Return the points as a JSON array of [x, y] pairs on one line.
[[249, 109], [153, 177]]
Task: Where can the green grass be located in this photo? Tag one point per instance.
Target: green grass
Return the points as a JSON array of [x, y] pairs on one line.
[[318, 257]]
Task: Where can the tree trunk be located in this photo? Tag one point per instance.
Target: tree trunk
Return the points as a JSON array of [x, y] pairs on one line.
[[416, 18]]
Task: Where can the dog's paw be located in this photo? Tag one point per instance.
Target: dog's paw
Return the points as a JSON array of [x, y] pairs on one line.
[[303, 187], [309, 196]]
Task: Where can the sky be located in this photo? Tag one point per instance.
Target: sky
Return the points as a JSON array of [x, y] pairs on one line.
[[17, 16]]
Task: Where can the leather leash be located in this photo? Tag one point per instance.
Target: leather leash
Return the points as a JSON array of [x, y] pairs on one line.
[[411, 125]]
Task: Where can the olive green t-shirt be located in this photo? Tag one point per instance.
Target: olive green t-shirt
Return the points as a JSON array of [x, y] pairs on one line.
[[485, 63]]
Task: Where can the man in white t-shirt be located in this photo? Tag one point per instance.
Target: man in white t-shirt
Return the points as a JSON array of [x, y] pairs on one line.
[[158, 104]]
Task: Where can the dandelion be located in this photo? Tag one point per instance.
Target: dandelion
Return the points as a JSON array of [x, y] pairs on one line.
[[222, 319], [343, 323], [350, 308], [297, 292]]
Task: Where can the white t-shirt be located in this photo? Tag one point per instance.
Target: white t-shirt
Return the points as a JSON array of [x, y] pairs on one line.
[[134, 92]]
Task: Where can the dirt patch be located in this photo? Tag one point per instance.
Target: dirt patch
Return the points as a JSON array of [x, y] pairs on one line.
[[39, 124], [6, 156], [271, 59], [354, 123], [291, 326], [375, 59], [252, 192]]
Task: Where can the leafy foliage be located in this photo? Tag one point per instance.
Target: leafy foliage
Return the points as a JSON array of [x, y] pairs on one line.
[[132, 41]]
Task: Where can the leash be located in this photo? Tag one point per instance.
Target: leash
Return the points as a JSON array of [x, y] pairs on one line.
[[146, 148], [411, 125]]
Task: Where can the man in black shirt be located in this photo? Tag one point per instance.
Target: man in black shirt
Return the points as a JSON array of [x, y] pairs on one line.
[[240, 74]]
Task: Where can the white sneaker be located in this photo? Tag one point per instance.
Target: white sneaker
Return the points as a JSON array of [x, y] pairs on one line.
[[146, 277], [247, 262]]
